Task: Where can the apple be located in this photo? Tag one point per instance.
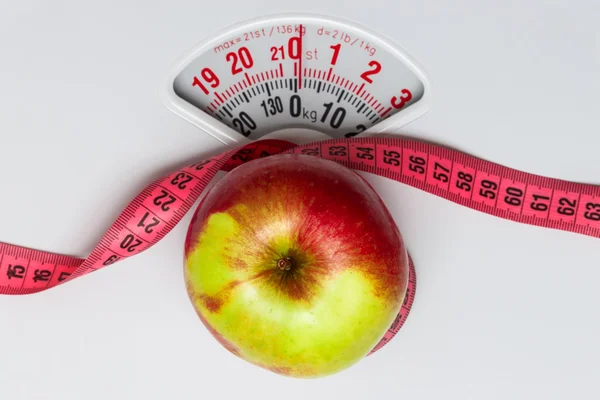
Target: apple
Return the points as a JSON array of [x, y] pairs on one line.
[[294, 264]]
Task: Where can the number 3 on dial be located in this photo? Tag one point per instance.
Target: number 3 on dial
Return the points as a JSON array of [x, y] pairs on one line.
[[399, 102]]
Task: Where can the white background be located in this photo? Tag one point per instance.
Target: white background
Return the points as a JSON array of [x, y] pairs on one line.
[[502, 311]]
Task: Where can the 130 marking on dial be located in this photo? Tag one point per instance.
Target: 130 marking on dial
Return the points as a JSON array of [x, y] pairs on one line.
[[299, 71]]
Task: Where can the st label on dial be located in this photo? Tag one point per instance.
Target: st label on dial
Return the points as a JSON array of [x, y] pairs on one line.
[[298, 71]]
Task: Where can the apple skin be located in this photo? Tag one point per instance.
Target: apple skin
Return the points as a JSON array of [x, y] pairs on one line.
[[294, 264]]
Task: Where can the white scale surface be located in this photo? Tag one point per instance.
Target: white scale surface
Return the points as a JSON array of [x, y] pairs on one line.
[[502, 310]]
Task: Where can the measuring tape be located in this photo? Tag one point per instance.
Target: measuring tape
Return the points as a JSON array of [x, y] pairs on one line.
[[307, 87], [455, 176]]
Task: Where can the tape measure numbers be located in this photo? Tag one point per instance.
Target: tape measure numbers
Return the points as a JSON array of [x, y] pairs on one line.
[[319, 73], [455, 176]]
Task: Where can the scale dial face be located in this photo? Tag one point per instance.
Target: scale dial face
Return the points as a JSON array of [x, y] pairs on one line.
[[296, 71]]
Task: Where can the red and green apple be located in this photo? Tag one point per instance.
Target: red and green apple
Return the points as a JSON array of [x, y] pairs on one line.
[[294, 264]]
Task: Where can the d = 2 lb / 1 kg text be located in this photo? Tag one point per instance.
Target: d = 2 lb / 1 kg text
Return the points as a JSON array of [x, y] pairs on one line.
[[346, 38]]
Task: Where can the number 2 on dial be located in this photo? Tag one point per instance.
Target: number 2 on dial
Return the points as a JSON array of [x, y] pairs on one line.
[[376, 68]]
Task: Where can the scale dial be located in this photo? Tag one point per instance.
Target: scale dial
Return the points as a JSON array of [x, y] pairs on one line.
[[296, 71]]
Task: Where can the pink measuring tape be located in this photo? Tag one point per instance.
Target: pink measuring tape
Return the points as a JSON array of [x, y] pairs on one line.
[[323, 74], [452, 175]]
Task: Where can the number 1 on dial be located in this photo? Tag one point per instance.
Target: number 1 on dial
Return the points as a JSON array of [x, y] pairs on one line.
[[336, 52]]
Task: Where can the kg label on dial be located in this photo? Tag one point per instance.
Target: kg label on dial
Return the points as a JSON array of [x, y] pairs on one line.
[[296, 70]]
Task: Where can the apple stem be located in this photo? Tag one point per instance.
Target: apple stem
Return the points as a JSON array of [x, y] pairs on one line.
[[285, 263]]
